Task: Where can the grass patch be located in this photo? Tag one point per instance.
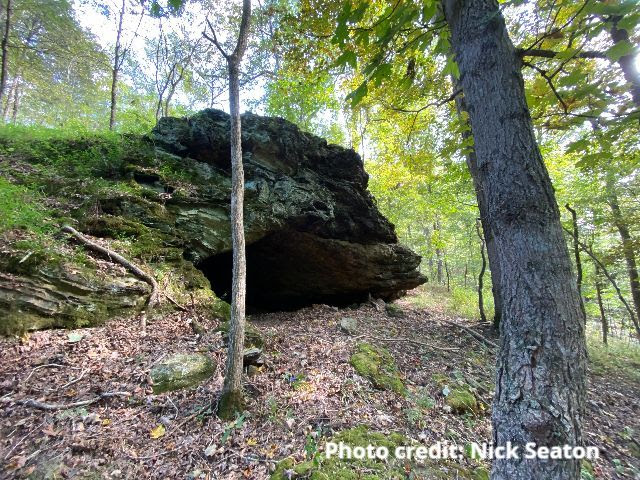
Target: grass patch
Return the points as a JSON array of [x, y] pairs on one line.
[[21, 208], [459, 301], [617, 358]]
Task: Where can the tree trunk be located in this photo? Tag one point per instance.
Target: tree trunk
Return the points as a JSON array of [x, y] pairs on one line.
[[627, 242], [603, 317], [626, 62], [576, 253], [541, 366], [5, 50], [436, 228], [481, 195], [232, 398], [115, 71], [446, 271], [483, 316]]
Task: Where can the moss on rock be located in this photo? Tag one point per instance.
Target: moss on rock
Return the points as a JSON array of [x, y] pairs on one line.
[[462, 400], [181, 371], [378, 365]]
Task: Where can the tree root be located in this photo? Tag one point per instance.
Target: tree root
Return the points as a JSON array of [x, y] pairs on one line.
[[117, 258]]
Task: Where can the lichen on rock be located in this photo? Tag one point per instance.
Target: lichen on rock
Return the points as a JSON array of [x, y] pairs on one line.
[[181, 371]]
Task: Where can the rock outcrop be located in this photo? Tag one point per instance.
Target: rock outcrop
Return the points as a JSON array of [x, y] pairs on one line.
[[313, 231], [314, 234]]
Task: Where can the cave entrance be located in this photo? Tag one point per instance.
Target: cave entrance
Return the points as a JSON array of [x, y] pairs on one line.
[[285, 271]]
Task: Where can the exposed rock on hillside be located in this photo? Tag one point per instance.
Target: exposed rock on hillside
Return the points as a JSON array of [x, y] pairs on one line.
[[314, 234]]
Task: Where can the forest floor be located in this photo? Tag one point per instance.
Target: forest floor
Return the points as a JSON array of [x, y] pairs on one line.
[[306, 390]]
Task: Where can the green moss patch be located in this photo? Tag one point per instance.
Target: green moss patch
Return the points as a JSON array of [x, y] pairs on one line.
[[462, 400], [378, 365], [334, 468]]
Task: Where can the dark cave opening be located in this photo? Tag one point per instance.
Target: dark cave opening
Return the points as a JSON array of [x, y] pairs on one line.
[[283, 273]]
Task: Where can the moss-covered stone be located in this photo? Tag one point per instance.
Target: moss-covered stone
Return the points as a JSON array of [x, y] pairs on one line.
[[394, 310], [378, 365], [462, 400], [181, 371]]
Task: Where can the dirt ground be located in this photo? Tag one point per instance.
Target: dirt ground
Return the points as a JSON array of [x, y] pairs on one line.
[[306, 391]]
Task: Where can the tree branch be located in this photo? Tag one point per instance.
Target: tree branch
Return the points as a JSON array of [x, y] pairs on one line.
[[214, 39], [540, 52]]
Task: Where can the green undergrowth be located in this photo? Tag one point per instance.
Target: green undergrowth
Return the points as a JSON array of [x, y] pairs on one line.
[[319, 467], [458, 301], [617, 358], [106, 185]]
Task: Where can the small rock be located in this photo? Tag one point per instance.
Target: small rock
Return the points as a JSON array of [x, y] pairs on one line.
[[394, 310], [92, 418], [252, 356], [348, 325], [181, 371]]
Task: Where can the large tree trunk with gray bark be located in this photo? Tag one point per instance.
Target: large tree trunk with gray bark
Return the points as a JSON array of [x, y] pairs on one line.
[[541, 370]]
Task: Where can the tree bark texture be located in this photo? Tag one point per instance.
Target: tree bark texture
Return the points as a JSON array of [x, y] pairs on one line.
[[541, 366], [492, 253]]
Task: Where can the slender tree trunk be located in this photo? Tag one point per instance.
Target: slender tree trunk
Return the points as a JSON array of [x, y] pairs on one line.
[[586, 249], [8, 102], [466, 272], [115, 71], [446, 271], [483, 316], [16, 101], [576, 253], [627, 243], [232, 398], [603, 317], [541, 366], [436, 228], [5, 49], [626, 62], [481, 195]]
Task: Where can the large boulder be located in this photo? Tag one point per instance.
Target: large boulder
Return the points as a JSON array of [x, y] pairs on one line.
[[314, 233]]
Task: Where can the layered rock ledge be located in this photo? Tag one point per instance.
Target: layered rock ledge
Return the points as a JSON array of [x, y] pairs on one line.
[[313, 231]]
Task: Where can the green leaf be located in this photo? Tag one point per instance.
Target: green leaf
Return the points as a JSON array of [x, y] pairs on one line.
[[358, 94], [629, 22], [566, 54], [357, 14], [428, 10], [380, 73], [578, 146], [347, 58], [619, 50], [451, 68]]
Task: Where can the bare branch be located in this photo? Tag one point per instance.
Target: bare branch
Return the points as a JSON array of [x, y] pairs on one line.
[[214, 39]]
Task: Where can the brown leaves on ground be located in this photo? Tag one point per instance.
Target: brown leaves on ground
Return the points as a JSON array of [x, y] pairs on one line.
[[306, 391]]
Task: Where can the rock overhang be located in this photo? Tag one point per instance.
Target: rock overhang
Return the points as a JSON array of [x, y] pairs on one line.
[[313, 231]]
